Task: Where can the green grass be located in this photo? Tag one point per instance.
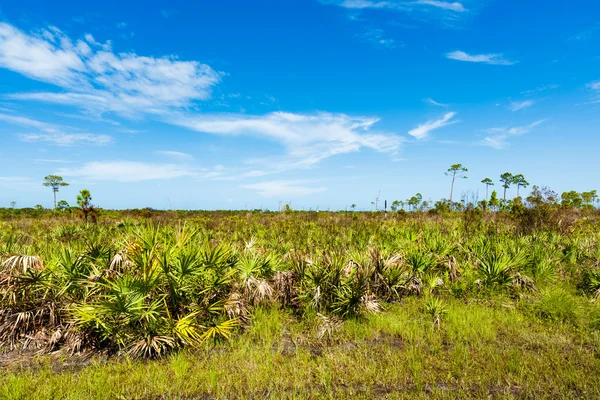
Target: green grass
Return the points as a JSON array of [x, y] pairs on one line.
[[479, 350]]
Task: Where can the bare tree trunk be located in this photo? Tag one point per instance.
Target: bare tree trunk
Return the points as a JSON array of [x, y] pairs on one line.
[[452, 188], [54, 200]]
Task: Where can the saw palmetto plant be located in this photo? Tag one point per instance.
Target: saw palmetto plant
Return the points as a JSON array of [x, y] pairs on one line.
[[141, 288]]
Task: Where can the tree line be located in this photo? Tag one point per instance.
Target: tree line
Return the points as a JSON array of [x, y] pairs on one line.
[[570, 199]]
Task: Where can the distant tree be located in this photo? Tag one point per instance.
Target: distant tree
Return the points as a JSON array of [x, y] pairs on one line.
[[62, 205], [353, 207], [415, 201], [571, 199], [506, 179], [13, 204], [494, 203], [55, 182], [456, 171], [395, 205], [84, 200], [589, 197], [542, 196], [442, 206], [520, 181], [487, 182], [402, 205], [39, 207], [377, 200]]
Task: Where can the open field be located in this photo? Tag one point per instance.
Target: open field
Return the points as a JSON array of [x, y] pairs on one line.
[[301, 305]]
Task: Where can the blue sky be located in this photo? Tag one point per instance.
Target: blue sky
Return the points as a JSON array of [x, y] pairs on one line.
[[246, 104]]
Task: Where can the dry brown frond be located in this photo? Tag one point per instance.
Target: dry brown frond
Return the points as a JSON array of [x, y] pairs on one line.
[[327, 326], [235, 307], [22, 263], [453, 269], [371, 304], [284, 284]]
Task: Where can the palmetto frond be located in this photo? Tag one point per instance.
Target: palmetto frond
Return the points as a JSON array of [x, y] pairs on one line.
[[22, 263], [220, 331]]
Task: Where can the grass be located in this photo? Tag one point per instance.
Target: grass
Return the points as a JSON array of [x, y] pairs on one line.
[[298, 305], [480, 350]]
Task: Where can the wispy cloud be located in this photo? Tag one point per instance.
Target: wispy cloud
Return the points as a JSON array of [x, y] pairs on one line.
[[498, 137], [377, 38], [539, 89], [498, 142], [434, 103], [492, 58], [595, 88], [95, 78], [24, 121], [520, 105], [53, 133], [594, 85], [66, 139], [398, 5], [52, 161], [283, 189], [455, 6], [127, 171], [177, 155], [423, 130], [18, 182], [307, 138], [586, 33]]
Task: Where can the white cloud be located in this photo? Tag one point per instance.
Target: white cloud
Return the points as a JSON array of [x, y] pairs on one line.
[[498, 137], [497, 142], [594, 85], [177, 155], [23, 121], [377, 37], [283, 189], [398, 5], [17, 182], [99, 80], [308, 138], [542, 88], [127, 171], [54, 133], [44, 57], [52, 161], [521, 130], [455, 6], [66, 139], [519, 105], [423, 130], [359, 4], [434, 103], [493, 58]]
